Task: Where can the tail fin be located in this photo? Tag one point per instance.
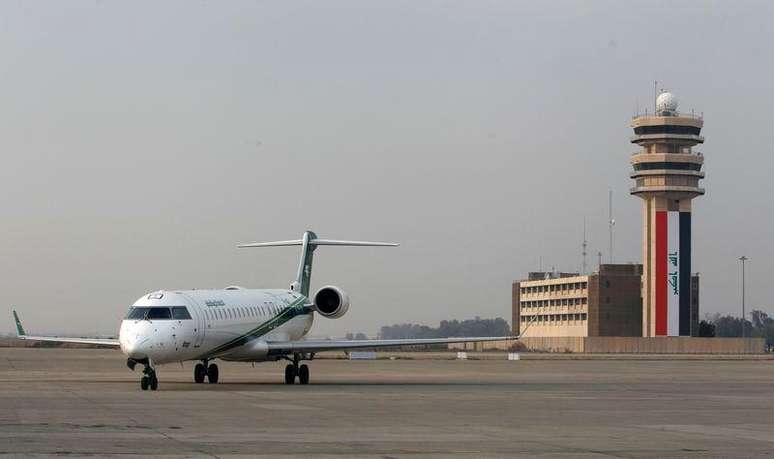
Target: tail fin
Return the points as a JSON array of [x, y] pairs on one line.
[[309, 243], [19, 329]]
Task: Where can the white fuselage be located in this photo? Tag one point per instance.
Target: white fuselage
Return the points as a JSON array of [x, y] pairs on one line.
[[230, 324]]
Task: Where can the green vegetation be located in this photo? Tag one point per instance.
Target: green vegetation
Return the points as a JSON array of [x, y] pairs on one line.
[[761, 326], [448, 328]]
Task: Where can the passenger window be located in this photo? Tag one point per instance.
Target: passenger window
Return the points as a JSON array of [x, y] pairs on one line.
[[180, 313]]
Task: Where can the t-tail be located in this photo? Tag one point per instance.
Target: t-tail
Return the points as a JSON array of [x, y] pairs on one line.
[[309, 242]]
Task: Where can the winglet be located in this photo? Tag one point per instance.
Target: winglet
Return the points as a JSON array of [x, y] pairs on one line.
[[19, 329]]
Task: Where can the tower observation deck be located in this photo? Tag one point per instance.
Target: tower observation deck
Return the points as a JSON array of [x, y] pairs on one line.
[[666, 174]]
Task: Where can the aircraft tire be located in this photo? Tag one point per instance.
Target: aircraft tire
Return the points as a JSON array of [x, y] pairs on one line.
[[290, 374], [144, 383], [154, 382], [199, 373], [303, 374], [212, 374]]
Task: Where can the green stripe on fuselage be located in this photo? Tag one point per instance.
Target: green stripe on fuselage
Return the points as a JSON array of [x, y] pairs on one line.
[[296, 308]]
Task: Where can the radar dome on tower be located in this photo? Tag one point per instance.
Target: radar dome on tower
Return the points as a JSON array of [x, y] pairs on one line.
[[666, 104]]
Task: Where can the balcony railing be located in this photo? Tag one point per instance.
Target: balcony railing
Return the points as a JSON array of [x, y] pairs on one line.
[[673, 115]]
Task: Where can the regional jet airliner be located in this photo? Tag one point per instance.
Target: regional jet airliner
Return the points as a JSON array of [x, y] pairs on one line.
[[238, 324]]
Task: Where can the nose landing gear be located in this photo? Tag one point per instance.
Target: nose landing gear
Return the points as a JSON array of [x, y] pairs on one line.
[[149, 379], [202, 370]]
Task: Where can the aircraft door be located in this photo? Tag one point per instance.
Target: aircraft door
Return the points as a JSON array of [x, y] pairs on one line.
[[200, 321]]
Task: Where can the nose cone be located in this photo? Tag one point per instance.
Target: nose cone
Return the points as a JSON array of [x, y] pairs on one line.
[[135, 343]]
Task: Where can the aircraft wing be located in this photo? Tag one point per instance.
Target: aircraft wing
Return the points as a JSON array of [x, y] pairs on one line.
[[21, 334], [289, 347]]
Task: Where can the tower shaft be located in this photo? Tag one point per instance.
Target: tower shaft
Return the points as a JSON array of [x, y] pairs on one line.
[[666, 173]]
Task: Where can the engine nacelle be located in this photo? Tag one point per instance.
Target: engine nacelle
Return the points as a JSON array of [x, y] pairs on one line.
[[331, 302]]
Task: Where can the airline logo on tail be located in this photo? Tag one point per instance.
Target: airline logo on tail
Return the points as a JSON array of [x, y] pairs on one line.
[[19, 328]]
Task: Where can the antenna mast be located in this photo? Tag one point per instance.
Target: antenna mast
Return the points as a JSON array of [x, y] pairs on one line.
[[610, 221], [585, 245]]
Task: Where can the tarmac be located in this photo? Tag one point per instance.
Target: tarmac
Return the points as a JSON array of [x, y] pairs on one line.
[[83, 402]]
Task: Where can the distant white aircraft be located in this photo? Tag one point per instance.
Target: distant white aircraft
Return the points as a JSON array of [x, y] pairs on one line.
[[238, 324]]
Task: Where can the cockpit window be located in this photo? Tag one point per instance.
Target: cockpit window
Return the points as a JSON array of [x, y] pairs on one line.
[[180, 313], [158, 313], [137, 313]]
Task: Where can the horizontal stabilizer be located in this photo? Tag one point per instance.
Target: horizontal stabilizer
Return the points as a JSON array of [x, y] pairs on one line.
[[319, 242], [309, 242]]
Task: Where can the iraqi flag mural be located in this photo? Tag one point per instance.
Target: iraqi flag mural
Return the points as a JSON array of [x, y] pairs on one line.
[[673, 273]]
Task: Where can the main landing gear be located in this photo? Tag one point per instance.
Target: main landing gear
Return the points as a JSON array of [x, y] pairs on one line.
[[294, 369], [202, 370]]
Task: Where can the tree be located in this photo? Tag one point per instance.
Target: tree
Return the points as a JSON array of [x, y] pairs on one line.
[[730, 327], [448, 328], [761, 326], [706, 329]]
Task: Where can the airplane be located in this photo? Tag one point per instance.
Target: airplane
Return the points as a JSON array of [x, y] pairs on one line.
[[239, 324]]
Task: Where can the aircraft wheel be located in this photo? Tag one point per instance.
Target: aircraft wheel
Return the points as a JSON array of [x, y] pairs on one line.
[[154, 381], [199, 373], [303, 374], [212, 374], [290, 374], [144, 383]]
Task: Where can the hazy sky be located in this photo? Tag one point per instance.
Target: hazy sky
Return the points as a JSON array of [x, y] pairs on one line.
[[141, 141]]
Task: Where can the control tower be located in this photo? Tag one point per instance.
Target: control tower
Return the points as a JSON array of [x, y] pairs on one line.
[[666, 174]]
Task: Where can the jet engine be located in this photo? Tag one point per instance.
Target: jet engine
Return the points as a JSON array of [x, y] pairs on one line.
[[331, 302]]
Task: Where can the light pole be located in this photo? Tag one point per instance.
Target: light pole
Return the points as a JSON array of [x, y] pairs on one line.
[[743, 259]]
